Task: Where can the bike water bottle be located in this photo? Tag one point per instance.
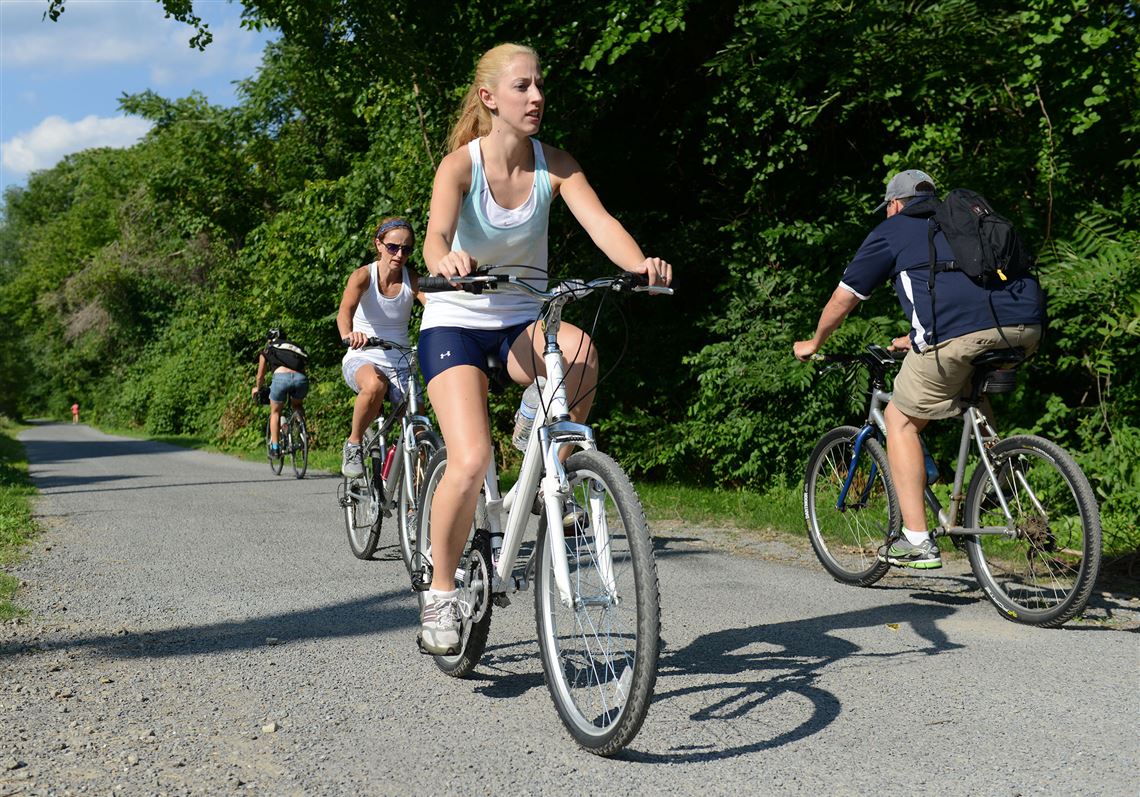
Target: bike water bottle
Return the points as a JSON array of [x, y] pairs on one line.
[[932, 474], [389, 458], [524, 418]]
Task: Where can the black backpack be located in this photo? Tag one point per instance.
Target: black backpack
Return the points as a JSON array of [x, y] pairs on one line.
[[985, 244], [287, 353]]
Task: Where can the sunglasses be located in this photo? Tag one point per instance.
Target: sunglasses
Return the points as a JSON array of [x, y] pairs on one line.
[[394, 248]]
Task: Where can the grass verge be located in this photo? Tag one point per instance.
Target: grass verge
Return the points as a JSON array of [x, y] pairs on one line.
[[16, 524], [780, 508]]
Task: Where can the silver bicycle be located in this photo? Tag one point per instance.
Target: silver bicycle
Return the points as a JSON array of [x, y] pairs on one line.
[[393, 471], [1029, 520], [592, 564]]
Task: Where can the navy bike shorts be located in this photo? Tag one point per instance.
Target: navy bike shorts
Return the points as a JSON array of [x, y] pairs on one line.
[[441, 348]]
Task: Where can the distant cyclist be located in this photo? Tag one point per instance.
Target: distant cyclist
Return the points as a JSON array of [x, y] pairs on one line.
[[288, 361], [377, 302]]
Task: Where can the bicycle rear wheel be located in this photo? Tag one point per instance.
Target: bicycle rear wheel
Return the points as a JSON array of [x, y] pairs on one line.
[[1045, 575], [299, 446], [473, 579], [599, 656], [847, 540], [362, 516], [276, 463], [427, 443]]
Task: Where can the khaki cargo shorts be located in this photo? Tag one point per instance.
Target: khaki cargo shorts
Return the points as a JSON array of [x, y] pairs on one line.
[[931, 384]]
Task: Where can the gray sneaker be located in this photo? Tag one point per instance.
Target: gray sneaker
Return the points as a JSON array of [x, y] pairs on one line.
[[439, 625], [903, 553], [352, 461]]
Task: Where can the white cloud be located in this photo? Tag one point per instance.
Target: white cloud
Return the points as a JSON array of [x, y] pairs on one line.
[[105, 33], [54, 137]]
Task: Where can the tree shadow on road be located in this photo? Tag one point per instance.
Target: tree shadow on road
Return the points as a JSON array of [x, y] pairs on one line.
[[371, 615]]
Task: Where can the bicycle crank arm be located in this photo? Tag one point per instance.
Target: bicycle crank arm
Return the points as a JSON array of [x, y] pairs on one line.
[[962, 531]]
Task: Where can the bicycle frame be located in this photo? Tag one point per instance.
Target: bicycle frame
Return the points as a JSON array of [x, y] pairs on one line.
[[541, 466], [411, 417], [975, 428]]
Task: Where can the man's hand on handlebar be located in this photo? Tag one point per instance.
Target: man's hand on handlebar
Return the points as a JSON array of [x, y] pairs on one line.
[[804, 349], [901, 343]]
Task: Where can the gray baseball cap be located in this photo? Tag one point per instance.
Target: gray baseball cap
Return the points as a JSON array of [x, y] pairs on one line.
[[903, 185]]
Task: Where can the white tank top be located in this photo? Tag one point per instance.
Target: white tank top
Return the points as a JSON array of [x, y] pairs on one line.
[[497, 236], [380, 316]]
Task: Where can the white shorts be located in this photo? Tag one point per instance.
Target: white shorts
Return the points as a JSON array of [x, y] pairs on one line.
[[392, 364]]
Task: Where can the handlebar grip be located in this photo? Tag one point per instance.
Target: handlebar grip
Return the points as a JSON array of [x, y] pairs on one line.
[[436, 284], [370, 343]]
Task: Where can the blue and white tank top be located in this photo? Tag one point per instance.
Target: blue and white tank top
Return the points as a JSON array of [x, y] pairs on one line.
[[495, 236], [382, 316]]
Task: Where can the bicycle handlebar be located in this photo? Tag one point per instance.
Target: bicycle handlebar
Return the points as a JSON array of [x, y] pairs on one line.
[[378, 343], [876, 357], [570, 288]]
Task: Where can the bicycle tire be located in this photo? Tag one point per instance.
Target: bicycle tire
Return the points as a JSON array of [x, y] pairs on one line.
[[299, 446], [276, 463], [1045, 576], [847, 542], [362, 519], [601, 652], [427, 443], [476, 565]]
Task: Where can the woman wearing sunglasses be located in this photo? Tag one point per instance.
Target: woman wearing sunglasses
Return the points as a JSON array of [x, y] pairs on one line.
[[377, 302], [490, 205]]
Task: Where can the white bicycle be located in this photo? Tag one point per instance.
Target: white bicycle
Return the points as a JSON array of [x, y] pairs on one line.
[[393, 472], [592, 565]]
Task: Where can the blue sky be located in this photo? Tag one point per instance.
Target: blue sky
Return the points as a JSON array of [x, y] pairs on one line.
[[60, 82]]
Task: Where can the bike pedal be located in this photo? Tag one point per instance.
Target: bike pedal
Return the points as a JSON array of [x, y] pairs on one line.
[[501, 600]]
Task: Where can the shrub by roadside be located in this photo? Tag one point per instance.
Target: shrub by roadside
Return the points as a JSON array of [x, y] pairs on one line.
[[16, 524]]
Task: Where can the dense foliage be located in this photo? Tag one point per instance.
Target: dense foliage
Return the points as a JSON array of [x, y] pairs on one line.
[[746, 142]]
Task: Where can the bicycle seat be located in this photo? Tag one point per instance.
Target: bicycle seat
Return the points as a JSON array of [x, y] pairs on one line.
[[497, 372], [999, 358]]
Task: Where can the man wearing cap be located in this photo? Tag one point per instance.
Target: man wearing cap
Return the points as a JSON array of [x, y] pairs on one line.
[[937, 369]]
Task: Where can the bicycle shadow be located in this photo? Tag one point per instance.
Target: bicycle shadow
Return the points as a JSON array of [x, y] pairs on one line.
[[726, 675]]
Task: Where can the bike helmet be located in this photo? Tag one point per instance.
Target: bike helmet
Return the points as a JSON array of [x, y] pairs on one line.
[[274, 334]]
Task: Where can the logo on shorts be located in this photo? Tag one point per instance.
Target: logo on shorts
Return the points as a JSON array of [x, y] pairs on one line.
[[445, 354]]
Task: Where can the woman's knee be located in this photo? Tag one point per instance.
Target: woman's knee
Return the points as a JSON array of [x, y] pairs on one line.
[[467, 465]]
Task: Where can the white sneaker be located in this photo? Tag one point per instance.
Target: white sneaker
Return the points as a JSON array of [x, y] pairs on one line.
[[439, 624], [352, 461]]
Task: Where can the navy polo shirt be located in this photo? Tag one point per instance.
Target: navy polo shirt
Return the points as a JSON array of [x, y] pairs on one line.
[[899, 250]]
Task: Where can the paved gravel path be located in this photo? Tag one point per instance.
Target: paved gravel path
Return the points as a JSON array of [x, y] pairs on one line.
[[200, 627]]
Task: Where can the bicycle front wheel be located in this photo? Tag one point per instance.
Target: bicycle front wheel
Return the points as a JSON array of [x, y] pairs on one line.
[[1044, 574], [299, 446], [427, 443], [472, 579], [599, 655], [276, 463], [846, 538], [362, 515]]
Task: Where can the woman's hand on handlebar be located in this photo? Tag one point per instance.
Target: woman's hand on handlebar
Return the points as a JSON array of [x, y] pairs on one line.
[[355, 340], [455, 264], [656, 270]]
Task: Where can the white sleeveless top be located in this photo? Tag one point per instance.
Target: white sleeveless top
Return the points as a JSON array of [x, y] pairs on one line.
[[380, 316], [497, 236]]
